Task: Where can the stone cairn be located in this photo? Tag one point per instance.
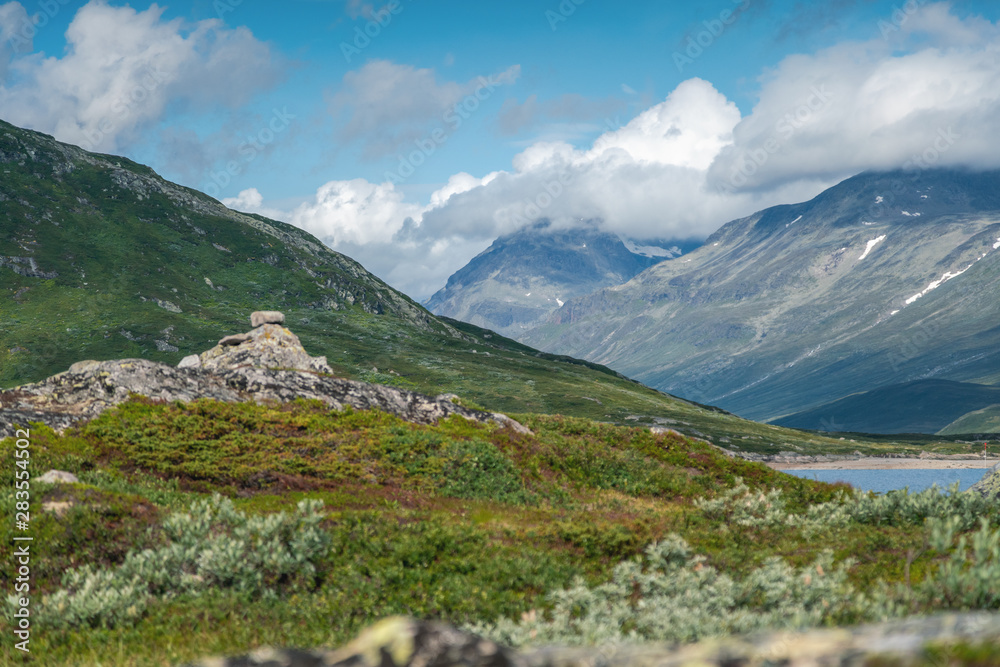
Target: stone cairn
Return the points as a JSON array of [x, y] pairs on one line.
[[268, 345]]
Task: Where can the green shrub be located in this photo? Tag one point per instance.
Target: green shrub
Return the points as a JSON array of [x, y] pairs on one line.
[[477, 470], [741, 506]]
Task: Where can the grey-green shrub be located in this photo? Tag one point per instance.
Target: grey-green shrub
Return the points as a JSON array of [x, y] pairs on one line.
[[211, 546], [741, 506], [970, 577], [671, 595]]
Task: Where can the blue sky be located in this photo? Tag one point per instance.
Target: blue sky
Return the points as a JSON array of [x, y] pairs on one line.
[[412, 146]]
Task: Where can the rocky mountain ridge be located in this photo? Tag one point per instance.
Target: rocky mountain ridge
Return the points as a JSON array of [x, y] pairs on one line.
[[883, 279]]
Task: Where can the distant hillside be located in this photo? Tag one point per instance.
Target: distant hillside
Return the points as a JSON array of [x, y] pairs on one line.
[[922, 406], [881, 280], [522, 278], [986, 420]]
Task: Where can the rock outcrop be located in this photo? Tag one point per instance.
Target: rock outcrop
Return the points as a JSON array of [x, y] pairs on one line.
[[989, 484], [269, 365], [402, 642]]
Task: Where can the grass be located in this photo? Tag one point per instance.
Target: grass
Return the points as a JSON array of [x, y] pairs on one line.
[[411, 511]]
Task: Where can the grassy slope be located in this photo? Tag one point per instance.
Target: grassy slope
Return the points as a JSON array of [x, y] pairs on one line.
[[411, 510], [982, 421], [117, 247]]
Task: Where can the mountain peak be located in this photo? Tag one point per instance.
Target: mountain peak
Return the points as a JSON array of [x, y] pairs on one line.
[[524, 276]]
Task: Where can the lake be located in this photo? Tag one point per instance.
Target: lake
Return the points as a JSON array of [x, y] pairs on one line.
[[887, 480]]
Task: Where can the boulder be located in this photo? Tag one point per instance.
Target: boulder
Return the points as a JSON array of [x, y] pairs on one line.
[[403, 642], [190, 361], [268, 346], [394, 642], [262, 317], [58, 477]]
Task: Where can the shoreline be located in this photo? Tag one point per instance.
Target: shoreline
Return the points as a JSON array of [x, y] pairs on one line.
[[879, 463]]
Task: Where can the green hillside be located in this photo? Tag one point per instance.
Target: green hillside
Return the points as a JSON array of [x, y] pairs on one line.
[[986, 420], [140, 564]]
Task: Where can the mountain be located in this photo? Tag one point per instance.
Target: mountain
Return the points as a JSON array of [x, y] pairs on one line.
[[523, 277], [921, 406], [883, 279], [102, 259]]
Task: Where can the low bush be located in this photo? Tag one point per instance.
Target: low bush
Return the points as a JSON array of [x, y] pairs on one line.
[[212, 546], [672, 595]]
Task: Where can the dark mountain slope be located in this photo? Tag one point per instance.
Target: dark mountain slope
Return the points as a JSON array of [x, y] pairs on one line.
[[921, 406]]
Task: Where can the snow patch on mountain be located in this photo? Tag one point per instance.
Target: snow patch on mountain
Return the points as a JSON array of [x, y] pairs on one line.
[[937, 283], [871, 245], [651, 250]]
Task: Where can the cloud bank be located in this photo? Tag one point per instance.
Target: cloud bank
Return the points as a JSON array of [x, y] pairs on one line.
[[926, 94]]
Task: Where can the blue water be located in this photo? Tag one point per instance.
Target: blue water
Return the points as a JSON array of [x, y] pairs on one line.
[[887, 480]]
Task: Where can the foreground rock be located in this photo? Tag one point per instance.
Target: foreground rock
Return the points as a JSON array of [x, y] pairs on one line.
[[401, 642], [270, 365]]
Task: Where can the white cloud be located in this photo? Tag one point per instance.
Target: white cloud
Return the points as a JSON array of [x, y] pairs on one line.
[[386, 105], [929, 94], [16, 34], [690, 163], [646, 180], [687, 130], [252, 201], [123, 68], [356, 212]]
